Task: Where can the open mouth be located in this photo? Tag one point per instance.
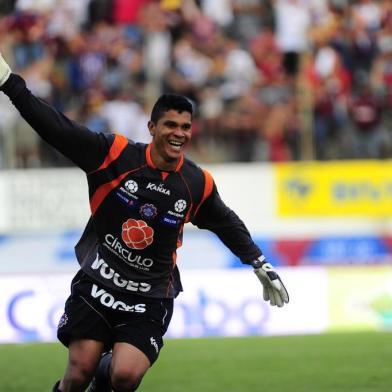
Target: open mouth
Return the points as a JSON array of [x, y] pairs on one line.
[[176, 145]]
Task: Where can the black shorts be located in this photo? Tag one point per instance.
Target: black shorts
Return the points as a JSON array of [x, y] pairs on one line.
[[94, 312]]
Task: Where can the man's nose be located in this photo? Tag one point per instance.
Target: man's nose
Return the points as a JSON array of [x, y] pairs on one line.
[[179, 132]]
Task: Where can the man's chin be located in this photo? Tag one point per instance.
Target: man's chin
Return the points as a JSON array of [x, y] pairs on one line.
[[173, 155]]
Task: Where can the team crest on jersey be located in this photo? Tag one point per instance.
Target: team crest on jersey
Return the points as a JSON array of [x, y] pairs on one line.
[[148, 211], [137, 234], [63, 320]]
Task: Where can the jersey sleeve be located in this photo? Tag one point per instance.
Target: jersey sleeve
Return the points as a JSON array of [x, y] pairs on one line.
[[83, 147], [214, 215]]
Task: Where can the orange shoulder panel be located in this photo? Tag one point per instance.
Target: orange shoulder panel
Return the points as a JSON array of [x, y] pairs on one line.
[[100, 194], [118, 146], [208, 185]]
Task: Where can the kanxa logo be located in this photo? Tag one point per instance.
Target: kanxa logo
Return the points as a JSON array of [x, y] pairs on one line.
[[137, 234], [158, 188]]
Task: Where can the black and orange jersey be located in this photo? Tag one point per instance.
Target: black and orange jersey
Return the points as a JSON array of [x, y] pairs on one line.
[[138, 212]]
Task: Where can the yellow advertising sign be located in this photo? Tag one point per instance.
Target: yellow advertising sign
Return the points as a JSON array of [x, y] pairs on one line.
[[357, 188]]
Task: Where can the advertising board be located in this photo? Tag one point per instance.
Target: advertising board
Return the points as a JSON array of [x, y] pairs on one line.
[[215, 303], [357, 188]]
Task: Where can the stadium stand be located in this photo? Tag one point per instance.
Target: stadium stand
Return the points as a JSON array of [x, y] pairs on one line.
[[273, 80]]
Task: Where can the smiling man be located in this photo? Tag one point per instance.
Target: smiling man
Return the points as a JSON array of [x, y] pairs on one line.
[[171, 131], [141, 196]]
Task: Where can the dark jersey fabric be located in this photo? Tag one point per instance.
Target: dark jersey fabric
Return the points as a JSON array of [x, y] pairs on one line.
[[137, 211]]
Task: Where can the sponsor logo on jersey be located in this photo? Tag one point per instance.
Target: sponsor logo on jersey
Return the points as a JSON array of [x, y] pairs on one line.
[[137, 234], [109, 273], [158, 188], [131, 203], [175, 218], [176, 214], [180, 205], [154, 344], [108, 300], [113, 244], [148, 211], [131, 186], [171, 221]]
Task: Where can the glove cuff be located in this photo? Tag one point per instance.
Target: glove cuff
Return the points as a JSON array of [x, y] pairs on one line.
[[4, 77], [5, 71], [258, 262]]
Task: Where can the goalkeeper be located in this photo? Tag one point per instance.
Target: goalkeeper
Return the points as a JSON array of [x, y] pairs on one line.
[[141, 196]]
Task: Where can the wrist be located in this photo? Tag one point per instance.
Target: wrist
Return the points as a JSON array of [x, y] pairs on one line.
[[4, 78], [258, 262], [5, 71]]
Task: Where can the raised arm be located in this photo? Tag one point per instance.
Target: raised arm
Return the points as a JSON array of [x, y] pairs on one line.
[[85, 148]]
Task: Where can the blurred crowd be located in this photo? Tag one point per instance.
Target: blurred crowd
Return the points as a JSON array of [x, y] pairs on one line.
[[272, 80]]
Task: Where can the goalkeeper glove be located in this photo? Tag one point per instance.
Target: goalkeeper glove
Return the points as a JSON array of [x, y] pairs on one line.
[[5, 71], [273, 288]]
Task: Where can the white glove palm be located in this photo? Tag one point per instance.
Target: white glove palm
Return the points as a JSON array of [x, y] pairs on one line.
[[5, 71], [273, 288]]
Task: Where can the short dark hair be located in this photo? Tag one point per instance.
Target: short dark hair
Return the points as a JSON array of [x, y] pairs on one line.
[[168, 102]]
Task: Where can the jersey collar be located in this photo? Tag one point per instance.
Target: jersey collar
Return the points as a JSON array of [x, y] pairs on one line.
[[151, 163]]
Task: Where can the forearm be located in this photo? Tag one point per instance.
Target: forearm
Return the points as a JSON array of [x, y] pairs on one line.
[[215, 216], [234, 234]]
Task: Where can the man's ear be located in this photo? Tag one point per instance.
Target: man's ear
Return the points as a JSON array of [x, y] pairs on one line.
[[151, 128]]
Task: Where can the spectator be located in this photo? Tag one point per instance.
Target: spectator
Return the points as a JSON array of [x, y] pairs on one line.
[[157, 44], [91, 112], [292, 24], [249, 19], [239, 72], [127, 12], [219, 11], [368, 14], [366, 111], [246, 135], [326, 124], [123, 113]]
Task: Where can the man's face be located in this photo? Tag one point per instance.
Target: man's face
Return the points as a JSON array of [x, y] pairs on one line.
[[170, 135]]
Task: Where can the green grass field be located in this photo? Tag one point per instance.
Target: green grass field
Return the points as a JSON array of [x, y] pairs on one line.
[[360, 362]]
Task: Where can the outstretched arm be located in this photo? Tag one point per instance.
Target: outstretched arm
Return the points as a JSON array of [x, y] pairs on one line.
[[214, 215], [85, 148]]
